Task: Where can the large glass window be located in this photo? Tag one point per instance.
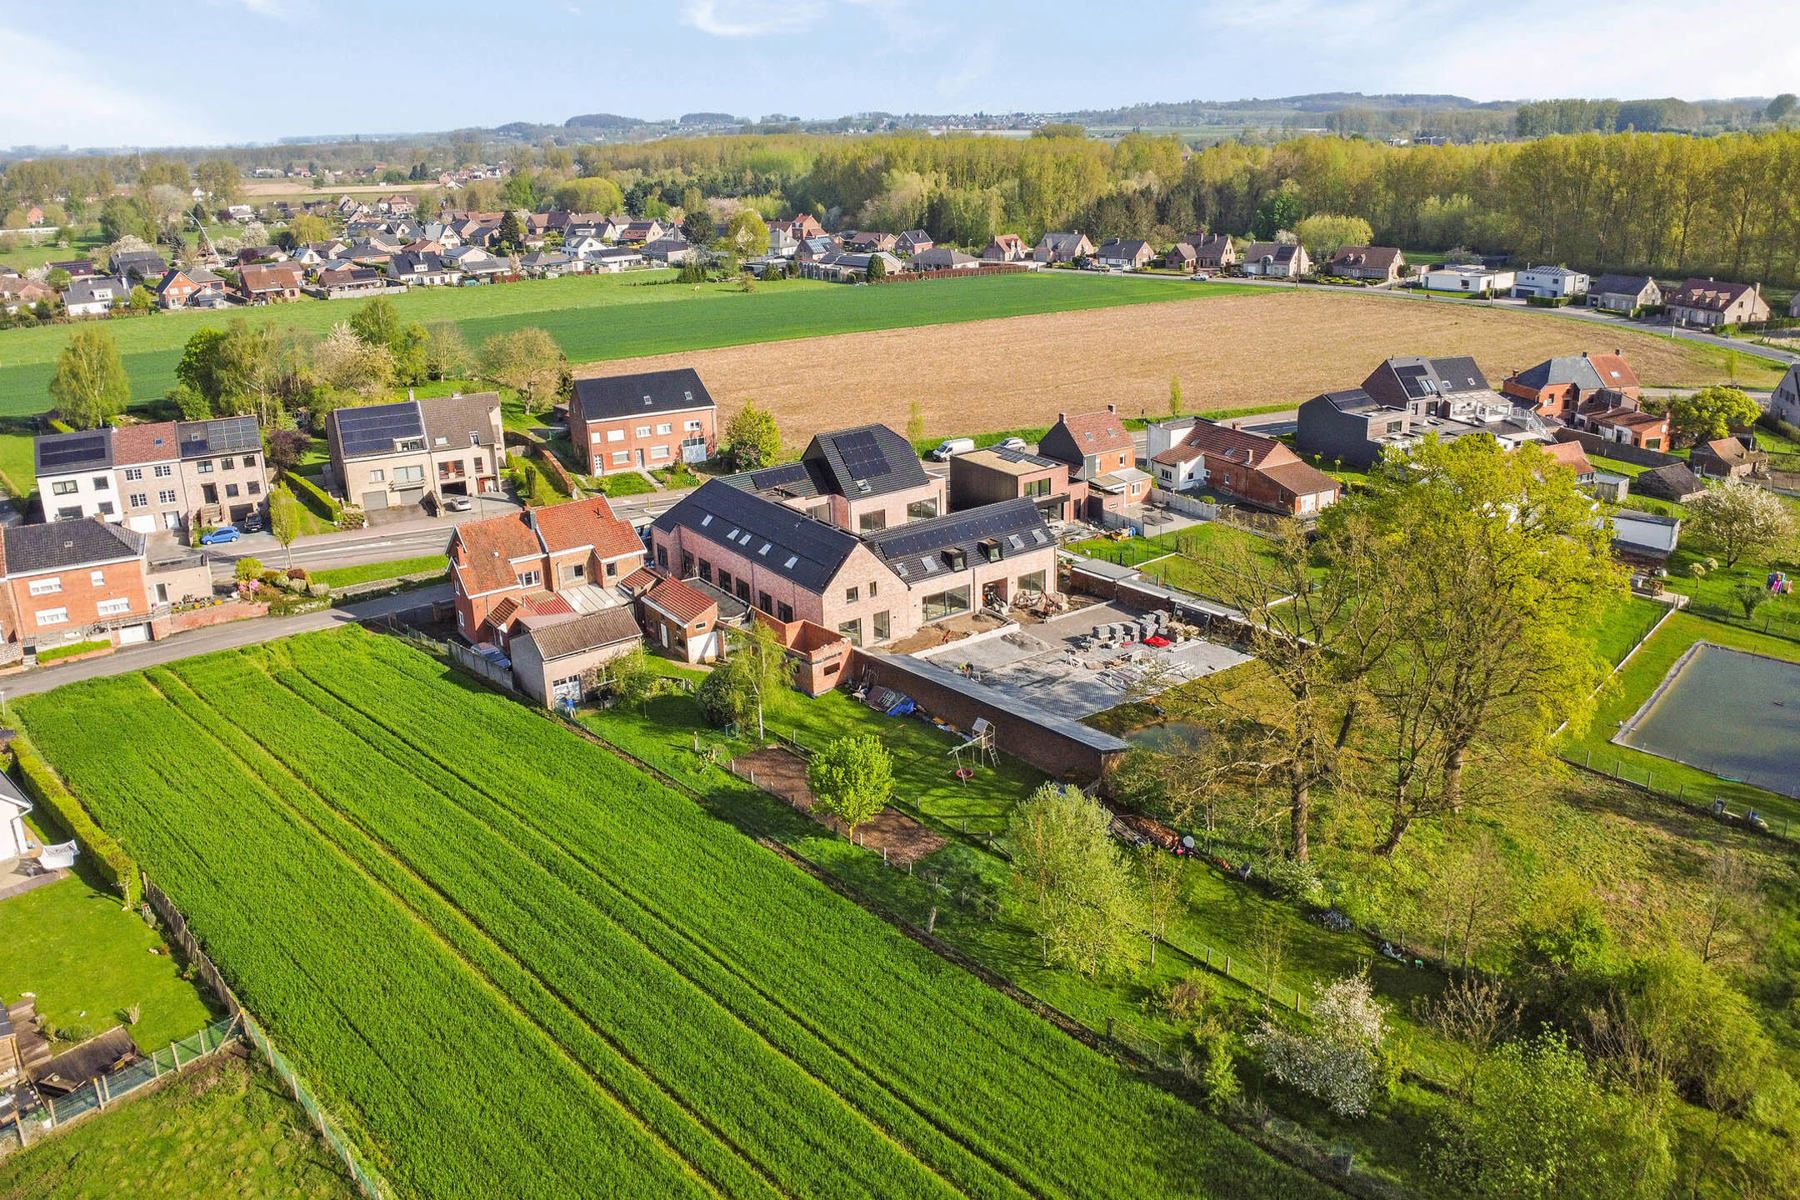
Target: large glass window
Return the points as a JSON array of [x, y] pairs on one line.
[[853, 631], [922, 510], [1033, 582], [882, 631], [1038, 488], [939, 605], [869, 522]]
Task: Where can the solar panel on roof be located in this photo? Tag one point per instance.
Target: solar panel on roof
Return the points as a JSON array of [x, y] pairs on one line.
[[861, 454], [67, 451]]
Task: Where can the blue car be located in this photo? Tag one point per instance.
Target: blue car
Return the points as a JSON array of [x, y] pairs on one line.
[[221, 535]]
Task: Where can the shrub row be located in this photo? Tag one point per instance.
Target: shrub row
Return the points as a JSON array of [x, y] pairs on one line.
[[306, 487], [45, 789], [71, 649]]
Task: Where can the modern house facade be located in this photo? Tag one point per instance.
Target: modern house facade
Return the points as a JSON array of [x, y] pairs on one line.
[[643, 422], [863, 479], [1099, 452], [1550, 283], [162, 476], [1245, 467], [998, 473], [398, 455]]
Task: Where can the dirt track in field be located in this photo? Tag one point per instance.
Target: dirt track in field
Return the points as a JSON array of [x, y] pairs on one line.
[[1229, 352]]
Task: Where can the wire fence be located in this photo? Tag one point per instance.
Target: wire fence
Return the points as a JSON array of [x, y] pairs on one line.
[[1703, 799], [104, 1091], [368, 1182]]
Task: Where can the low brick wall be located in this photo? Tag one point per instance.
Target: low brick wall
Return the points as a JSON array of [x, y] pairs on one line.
[[217, 614], [1593, 443], [1037, 738]]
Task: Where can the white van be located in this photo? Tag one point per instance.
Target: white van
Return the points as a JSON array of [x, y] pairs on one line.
[[949, 447]]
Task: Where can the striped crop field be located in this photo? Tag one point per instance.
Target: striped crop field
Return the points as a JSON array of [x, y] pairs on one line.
[[513, 964]]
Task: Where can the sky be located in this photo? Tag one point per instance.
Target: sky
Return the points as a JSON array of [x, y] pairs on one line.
[[190, 72]]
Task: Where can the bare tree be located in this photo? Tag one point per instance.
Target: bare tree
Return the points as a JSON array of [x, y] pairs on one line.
[[1474, 1013]]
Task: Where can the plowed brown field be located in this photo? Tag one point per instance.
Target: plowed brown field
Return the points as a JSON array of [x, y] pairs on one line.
[[1229, 352]]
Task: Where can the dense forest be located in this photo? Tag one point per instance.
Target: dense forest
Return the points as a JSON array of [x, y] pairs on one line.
[[1667, 203]]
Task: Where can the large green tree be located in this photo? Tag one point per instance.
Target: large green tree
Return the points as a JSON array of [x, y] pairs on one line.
[[752, 438], [529, 361], [1071, 884], [1493, 563], [1710, 413], [89, 386]]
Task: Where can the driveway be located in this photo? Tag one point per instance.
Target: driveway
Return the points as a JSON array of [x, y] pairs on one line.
[[216, 637]]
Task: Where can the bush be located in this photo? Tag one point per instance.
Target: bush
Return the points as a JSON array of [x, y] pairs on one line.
[[318, 589], [71, 649], [721, 698], [1292, 880], [247, 569], [1185, 999], [298, 573], [47, 791], [314, 496]]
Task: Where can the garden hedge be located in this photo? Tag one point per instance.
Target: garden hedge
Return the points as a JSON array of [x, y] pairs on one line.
[[45, 789]]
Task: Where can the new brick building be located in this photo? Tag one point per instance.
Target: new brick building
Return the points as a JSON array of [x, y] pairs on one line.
[[1006, 473], [1099, 453], [864, 479], [398, 455], [1245, 467], [642, 422]]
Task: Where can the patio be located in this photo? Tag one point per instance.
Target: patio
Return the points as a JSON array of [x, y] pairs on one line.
[[1055, 666]]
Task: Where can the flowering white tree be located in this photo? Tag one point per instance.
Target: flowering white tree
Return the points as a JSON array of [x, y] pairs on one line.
[[1337, 1061], [1740, 518]]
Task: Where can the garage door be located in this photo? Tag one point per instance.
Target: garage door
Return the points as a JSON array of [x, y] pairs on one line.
[[375, 499], [407, 497], [132, 635]]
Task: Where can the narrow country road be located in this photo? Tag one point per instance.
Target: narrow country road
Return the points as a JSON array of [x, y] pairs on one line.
[[217, 637]]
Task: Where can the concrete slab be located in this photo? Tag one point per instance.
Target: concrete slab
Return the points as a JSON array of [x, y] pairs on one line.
[[1049, 665]]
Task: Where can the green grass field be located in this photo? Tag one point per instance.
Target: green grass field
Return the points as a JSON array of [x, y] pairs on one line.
[[88, 961], [223, 1129], [595, 317], [602, 981], [1193, 559], [341, 577]]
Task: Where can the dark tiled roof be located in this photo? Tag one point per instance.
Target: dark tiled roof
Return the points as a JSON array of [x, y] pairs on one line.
[[797, 479], [1353, 400], [1672, 481], [1418, 378], [773, 536], [449, 420], [31, 549], [633, 395], [869, 460], [1629, 285], [921, 550], [608, 627]]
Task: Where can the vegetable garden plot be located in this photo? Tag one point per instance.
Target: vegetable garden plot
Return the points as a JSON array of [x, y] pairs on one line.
[[744, 1030]]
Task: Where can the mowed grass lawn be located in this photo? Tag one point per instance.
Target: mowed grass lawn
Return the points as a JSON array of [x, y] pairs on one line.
[[341, 577], [223, 1129], [89, 961], [1633, 685], [606, 987], [596, 317], [1197, 559]]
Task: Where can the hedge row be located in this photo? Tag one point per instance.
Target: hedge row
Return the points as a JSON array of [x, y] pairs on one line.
[[318, 495], [45, 789]]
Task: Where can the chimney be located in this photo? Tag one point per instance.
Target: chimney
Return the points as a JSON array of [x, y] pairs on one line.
[[1062, 418], [1112, 408], [1619, 351], [1584, 354]]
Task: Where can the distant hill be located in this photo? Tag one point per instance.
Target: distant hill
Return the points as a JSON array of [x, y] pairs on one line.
[[603, 121], [707, 118]]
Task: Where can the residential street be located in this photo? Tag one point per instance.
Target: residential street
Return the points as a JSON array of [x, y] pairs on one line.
[[217, 637]]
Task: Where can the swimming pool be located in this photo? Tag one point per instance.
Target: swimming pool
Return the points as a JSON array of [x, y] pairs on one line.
[[1728, 712]]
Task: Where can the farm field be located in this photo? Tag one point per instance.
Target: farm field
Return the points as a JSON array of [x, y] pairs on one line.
[[1230, 350], [223, 1129], [586, 1009], [596, 317]]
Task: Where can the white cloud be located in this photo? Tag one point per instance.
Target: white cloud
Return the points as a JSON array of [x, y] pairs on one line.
[[78, 106], [752, 18]]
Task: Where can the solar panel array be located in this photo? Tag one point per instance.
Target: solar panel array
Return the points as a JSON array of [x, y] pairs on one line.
[[964, 529], [227, 435], [376, 428], [72, 451]]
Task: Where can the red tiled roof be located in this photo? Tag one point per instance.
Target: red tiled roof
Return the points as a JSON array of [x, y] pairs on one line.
[[273, 278], [153, 442], [1614, 371], [590, 522], [1097, 432], [1570, 454], [684, 603], [640, 580], [1251, 449], [1299, 478], [1714, 294], [483, 552]]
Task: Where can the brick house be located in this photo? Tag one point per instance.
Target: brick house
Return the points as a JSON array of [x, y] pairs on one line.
[[1246, 467], [86, 580], [278, 282], [1728, 458], [1628, 425], [1709, 302], [869, 590], [1062, 247], [1624, 293], [396, 455], [1277, 260], [1381, 264], [862, 479], [1559, 387], [1125, 254], [680, 618], [1005, 248], [557, 657], [999, 473], [189, 287], [162, 476], [638, 422], [1100, 454], [1213, 251], [561, 559]]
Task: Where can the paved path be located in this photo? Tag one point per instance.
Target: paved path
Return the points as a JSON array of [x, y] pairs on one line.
[[216, 637]]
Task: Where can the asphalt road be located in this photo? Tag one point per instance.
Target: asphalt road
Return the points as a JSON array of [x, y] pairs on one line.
[[216, 637]]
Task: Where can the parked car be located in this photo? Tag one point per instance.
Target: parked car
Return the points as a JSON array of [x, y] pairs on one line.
[[220, 536], [252, 523], [950, 447], [1012, 443], [458, 504]]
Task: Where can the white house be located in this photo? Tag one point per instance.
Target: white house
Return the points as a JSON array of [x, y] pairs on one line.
[[1784, 401], [1551, 283], [95, 297], [1474, 280], [14, 840]]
